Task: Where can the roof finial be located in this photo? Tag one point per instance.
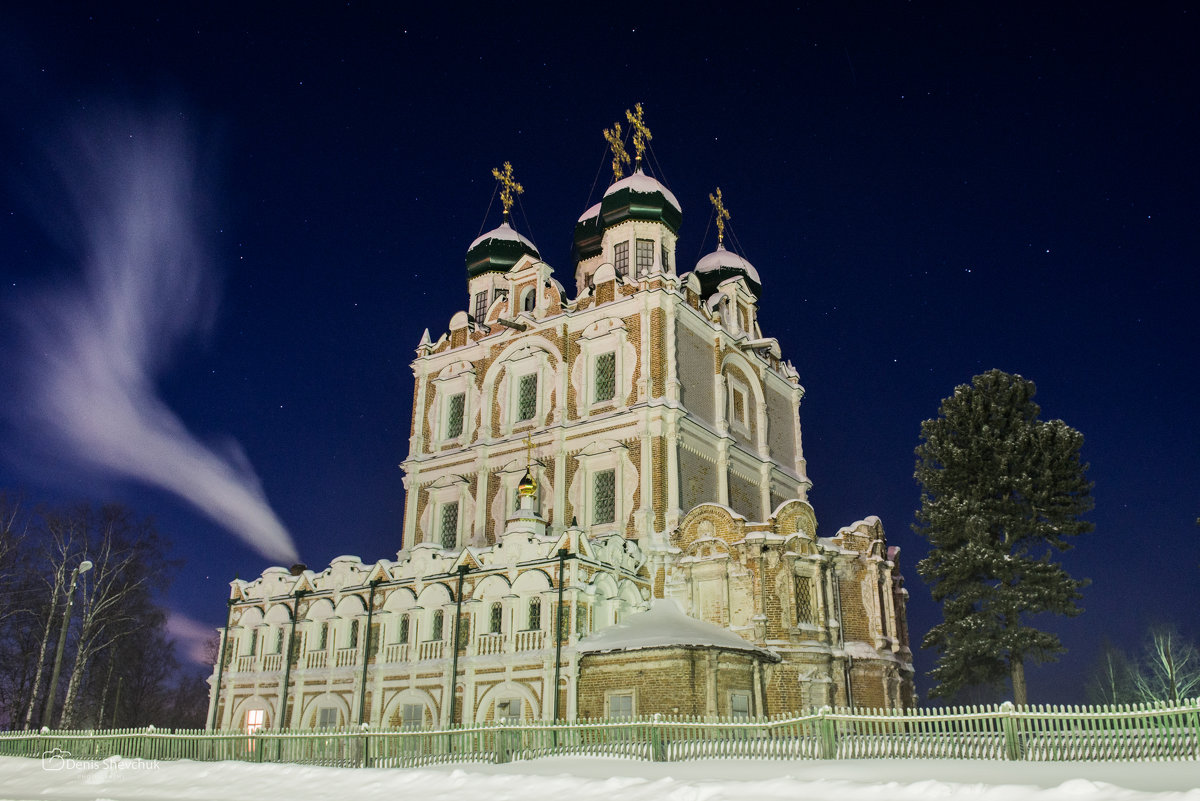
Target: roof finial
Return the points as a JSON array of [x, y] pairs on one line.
[[527, 487], [613, 137], [722, 216], [507, 186], [641, 134]]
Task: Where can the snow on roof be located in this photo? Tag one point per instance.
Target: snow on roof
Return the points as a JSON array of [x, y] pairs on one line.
[[664, 625], [503, 231], [640, 182], [727, 258], [594, 211]]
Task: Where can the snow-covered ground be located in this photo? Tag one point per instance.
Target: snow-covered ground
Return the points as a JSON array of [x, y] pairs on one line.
[[596, 779]]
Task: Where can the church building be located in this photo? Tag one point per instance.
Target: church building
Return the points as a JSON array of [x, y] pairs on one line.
[[606, 512]]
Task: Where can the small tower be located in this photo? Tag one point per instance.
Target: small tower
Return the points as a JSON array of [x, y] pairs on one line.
[[495, 253]]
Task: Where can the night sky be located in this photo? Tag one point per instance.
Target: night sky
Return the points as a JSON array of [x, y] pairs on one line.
[[927, 192]]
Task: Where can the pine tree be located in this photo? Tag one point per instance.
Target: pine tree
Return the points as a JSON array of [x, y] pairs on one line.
[[1001, 493]]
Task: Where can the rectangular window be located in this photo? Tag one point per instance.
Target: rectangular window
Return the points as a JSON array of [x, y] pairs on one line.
[[739, 407], [499, 294], [645, 256], [254, 720], [535, 614], [403, 638], [606, 377], [373, 640], [527, 398], [497, 617], [739, 705], [620, 705], [508, 710], [621, 258], [804, 600], [581, 620], [254, 643], [279, 641], [327, 717], [454, 415], [604, 497], [464, 631], [449, 529], [438, 620], [665, 264], [481, 305], [413, 716], [323, 639]]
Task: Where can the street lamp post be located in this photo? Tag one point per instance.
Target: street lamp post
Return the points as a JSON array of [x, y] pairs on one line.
[[462, 571], [84, 567]]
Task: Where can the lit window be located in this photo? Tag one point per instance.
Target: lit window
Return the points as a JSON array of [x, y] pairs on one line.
[[508, 710], [604, 497], [413, 716], [403, 629], [481, 305], [645, 256], [454, 415], [606, 377], [327, 717], [254, 720], [527, 398], [620, 705], [621, 258], [535, 613], [739, 705], [449, 529], [438, 619], [496, 618]]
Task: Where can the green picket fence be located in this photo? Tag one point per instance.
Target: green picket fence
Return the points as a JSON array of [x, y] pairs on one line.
[[1036, 733]]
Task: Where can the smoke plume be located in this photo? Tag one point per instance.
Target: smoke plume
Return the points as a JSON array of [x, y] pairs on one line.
[[90, 350]]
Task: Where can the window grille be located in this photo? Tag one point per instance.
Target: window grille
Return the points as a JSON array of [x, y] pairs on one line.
[[621, 258], [527, 398], [564, 622], [645, 256], [413, 716], [581, 620], [464, 631], [620, 705], [449, 530], [328, 717], [481, 305], [606, 377], [804, 600], [353, 633], [454, 415], [279, 641], [403, 629], [254, 643], [604, 497], [535, 613], [496, 618], [438, 619], [324, 638]]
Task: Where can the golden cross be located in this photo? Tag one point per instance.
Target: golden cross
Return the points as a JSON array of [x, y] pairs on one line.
[[507, 186], [722, 215], [613, 137], [641, 134]]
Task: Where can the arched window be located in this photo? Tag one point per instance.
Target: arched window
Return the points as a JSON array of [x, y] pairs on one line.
[[529, 300], [535, 613], [497, 617], [403, 638], [437, 625]]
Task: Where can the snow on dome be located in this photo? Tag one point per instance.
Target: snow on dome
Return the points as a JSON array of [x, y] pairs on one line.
[[504, 231], [640, 182], [664, 625], [590, 214], [728, 259]]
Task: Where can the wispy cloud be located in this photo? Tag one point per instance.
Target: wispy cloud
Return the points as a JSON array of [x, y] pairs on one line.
[[89, 354], [191, 637]]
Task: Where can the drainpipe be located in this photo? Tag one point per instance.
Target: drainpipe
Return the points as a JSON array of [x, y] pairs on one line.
[[462, 571], [362, 693], [212, 726], [287, 670]]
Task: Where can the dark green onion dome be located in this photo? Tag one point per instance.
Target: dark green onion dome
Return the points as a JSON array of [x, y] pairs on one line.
[[639, 197], [497, 251], [587, 234], [723, 264]]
